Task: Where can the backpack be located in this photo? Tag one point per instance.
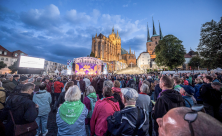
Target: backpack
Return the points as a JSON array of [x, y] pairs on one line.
[[92, 105], [3, 103]]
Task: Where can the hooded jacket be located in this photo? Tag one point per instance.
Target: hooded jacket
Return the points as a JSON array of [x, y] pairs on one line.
[[118, 96], [8, 85], [43, 99], [168, 100], [58, 87], [103, 108]]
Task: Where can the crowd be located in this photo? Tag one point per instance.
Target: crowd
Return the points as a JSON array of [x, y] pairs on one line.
[[184, 104]]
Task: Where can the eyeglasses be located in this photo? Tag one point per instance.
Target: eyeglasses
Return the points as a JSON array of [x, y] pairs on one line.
[[190, 117]]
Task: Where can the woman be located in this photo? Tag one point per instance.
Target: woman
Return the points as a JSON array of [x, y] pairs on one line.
[[90, 101], [71, 115], [127, 79], [199, 83], [117, 93], [61, 99], [140, 83], [103, 108]]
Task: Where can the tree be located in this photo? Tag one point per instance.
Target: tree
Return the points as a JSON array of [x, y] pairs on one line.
[[170, 52], [14, 67], [92, 54], [210, 46], [2, 65], [195, 62]]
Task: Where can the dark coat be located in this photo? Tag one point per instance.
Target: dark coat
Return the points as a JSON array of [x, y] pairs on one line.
[[61, 99], [130, 82], [18, 88], [117, 97], [168, 100], [8, 85], [37, 84], [15, 82], [119, 125], [210, 95], [82, 85], [23, 111], [100, 85], [157, 91], [94, 84]]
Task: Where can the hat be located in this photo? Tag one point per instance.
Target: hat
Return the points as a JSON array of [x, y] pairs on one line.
[[16, 76], [130, 94], [189, 89], [23, 78]]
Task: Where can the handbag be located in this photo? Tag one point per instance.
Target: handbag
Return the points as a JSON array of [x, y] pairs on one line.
[[23, 129]]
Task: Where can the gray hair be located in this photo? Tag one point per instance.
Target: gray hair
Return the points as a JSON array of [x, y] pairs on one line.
[[9, 76], [145, 88], [108, 83], [90, 89], [38, 79], [73, 94], [27, 87], [216, 84], [141, 79], [0, 84]]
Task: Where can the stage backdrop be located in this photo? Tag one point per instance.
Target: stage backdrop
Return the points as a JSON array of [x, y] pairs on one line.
[[84, 68]]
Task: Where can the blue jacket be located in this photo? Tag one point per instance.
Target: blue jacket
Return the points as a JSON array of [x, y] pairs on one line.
[[43, 99], [189, 99], [216, 80], [76, 129], [197, 91]]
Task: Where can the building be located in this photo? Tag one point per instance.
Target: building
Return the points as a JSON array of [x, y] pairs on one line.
[[143, 61], [153, 41], [109, 49], [50, 67]]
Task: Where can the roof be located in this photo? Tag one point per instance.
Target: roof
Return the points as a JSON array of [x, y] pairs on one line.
[[187, 56], [155, 35], [123, 51], [141, 54], [10, 54]]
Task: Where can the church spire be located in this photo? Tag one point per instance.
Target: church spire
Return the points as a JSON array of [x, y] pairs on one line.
[[148, 33], [154, 30], [130, 50], [117, 34], [96, 34], [113, 29], [161, 35]]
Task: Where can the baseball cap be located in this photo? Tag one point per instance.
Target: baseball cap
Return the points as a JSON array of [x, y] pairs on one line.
[[130, 94], [189, 89]]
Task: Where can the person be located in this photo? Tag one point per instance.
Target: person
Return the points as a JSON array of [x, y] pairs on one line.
[[187, 93], [15, 79], [23, 80], [215, 78], [217, 86], [90, 101], [103, 108], [8, 84], [94, 83], [185, 82], [100, 84], [43, 99], [23, 109], [167, 100], [211, 98], [177, 83], [198, 85], [122, 82], [71, 115], [173, 124], [131, 120], [87, 81], [117, 93], [58, 85], [157, 90], [82, 88], [61, 99], [37, 84], [140, 83], [2, 97], [48, 85]]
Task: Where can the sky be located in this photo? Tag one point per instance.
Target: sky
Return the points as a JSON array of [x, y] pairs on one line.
[[60, 30]]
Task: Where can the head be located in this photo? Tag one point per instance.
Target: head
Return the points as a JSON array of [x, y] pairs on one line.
[[130, 96], [166, 83], [177, 80], [24, 80], [73, 94], [216, 85], [208, 79], [42, 86], [156, 82], [90, 89], [198, 80], [108, 83], [28, 88], [39, 79], [107, 92], [9, 77], [78, 78], [173, 124], [68, 85], [117, 84], [16, 77], [47, 80], [145, 88], [146, 82]]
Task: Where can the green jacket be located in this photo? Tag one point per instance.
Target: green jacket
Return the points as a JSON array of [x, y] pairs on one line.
[[15, 82], [8, 85]]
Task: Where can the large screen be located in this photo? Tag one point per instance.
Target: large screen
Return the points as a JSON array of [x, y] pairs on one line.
[[31, 62]]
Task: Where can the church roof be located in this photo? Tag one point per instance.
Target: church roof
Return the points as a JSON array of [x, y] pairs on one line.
[[123, 51], [155, 35]]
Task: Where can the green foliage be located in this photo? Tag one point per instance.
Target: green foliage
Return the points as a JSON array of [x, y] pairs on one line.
[[92, 54], [2, 65], [210, 46], [14, 67], [170, 52], [195, 62]]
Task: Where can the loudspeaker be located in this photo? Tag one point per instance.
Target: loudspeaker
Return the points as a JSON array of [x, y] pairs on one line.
[[73, 67], [102, 68]]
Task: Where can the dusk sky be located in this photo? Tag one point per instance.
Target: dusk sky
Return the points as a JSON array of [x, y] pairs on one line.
[[58, 30]]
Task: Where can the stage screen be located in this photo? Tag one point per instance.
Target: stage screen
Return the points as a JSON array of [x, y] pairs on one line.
[[31, 62], [83, 68]]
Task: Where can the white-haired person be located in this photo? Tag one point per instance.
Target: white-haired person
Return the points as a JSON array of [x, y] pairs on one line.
[[90, 101], [71, 114]]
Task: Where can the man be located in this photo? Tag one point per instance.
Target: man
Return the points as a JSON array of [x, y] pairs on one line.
[[131, 83], [214, 76], [23, 80], [100, 85], [15, 79], [173, 124], [37, 84], [87, 81], [58, 85], [217, 86], [131, 120], [48, 85], [211, 98], [167, 99], [82, 88], [8, 84], [23, 109]]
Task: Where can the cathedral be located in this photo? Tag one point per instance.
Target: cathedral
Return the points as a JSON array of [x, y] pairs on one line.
[[108, 49]]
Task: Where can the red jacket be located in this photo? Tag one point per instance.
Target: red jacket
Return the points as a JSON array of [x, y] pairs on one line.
[[103, 109], [49, 86], [58, 87], [186, 82]]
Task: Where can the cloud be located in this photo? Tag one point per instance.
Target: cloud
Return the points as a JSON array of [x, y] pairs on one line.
[[125, 5]]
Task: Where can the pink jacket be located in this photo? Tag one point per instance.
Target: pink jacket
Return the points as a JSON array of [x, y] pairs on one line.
[[103, 109]]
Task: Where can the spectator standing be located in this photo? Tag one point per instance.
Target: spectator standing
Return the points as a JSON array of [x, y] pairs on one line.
[[187, 93], [100, 85], [82, 88], [23, 80], [16, 79], [87, 81], [199, 83], [37, 84], [48, 85], [58, 85], [61, 99], [2, 97], [43, 100], [71, 115], [8, 84], [117, 94]]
